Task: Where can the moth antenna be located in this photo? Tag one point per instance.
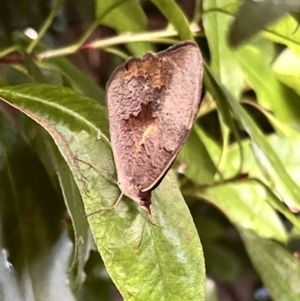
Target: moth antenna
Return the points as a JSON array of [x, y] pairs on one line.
[[149, 217], [107, 208], [141, 239]]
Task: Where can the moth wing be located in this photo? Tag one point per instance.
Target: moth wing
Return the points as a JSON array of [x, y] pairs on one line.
[[152, 104], [181, 105]]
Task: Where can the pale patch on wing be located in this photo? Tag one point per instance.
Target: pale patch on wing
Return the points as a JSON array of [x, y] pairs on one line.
[[150, 130]]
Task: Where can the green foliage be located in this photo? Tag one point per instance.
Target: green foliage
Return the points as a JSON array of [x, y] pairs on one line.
[[236, 185]]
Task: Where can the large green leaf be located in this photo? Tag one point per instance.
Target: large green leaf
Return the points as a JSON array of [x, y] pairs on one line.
[[36, 249], [138, 255], [279, 269], [76, 211], [63, 182]]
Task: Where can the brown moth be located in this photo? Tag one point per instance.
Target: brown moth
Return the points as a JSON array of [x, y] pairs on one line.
[[152, 104]]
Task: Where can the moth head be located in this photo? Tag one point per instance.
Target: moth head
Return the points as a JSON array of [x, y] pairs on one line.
[[145, 200]]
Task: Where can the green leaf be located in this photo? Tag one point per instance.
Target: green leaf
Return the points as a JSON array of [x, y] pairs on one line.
[[223, 61], [278, 268], [196, 161], [226, 121], [48, 22], [138, 255], [33, 69], [63, 182], [244, 203], [175, 16], [285, 32], [224, 261], [255, 59], [287, 69], [123, 16], [33, 240], [73, 77], [252, 169], [264, 154], [252, 18], [78, 80], [97, 286], [76, 211]]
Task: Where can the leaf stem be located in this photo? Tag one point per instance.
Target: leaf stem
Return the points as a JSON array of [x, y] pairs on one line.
[[46, 25], [162, 36]]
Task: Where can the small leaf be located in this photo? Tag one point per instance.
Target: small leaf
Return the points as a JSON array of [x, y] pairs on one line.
[[245, 205], [285, 31], [268, 160], [124, 16], [223, 62], [33, 70], [175, 16], [287, 69], [255, 59], [77, 79], [252, 18], [196, 161]]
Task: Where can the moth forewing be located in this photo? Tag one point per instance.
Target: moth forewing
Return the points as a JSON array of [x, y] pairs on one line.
[[152, 103]]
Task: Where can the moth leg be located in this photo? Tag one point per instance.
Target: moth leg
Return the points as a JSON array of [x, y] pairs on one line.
[[82, 178], [151, 220], [97, 169], [113, 207], [141, 239]]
